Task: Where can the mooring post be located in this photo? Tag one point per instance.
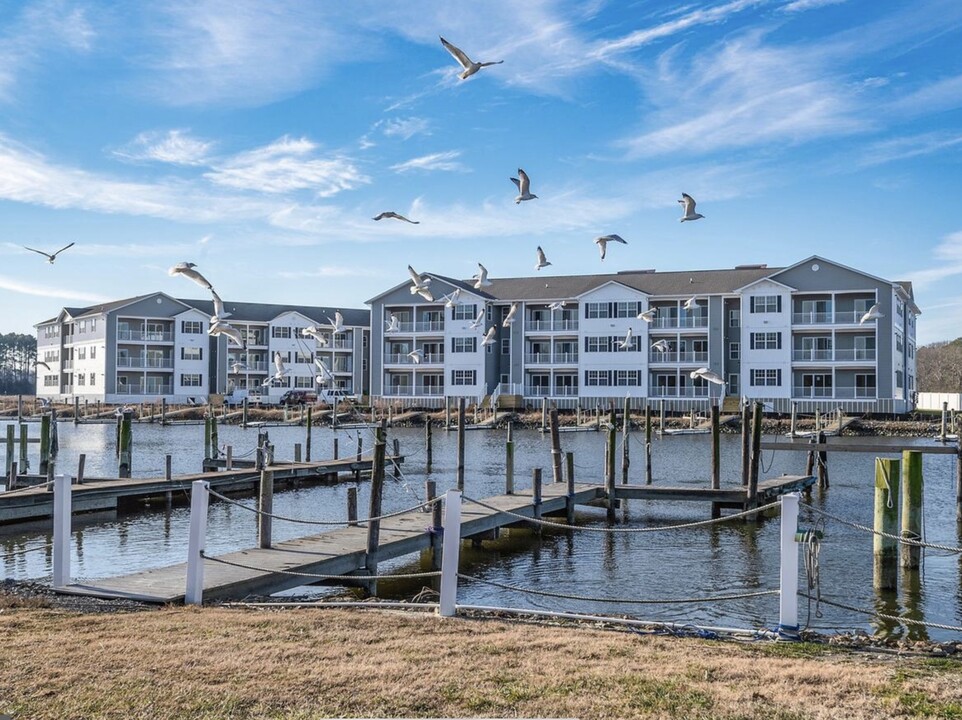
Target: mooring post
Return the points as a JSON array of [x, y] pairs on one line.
[[475, 406], [54, 434], [85, 408], [610, 471], [447, 413], [647, 444], [20, 409], [570, 496], [126, 445], [745, 443], [536, 495], [214, 440], [244, 414], [357, 459], [460, 475], [544, 414], [822, 471], [943, 433], [76, 411], [207, 437], [163, 411], [374, 511], [661, 417], [818, 420], [168, 462], [509, 461], [396, 453], [44, 443], [265, 506], [196, 542], [24, 459], [229, 458], [81, 464], [885, 549], [297, 452], [556, 475], [11, 445], [451, 549], [428, 445], [958, 485], [811, 456], [12, 477], [788, 570], [307, 440], [352, 506], [578, 414], [61, 530], [911, 508], [625, 450], [715, 448], [755, 455], [431, 493], [794, 426]]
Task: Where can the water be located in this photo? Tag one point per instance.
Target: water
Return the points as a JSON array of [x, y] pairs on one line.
[[729, 558]]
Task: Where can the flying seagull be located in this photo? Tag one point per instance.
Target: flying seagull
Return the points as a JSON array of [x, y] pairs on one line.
[[338, 322], [523, 183], [542, 260], [489, 336], [691, 303], [509, 318], [602, 242], [228, 331], [314, 332], [41, 363], [470, 67], [50, 258], [709, 375], [395, 216], [325, 375], [452, 299], [393, 325], [661, 346], [872, 314], [187, 270], [417, 356], [648, 315], [478, 322], [281, 370], [237, 366], [557, 305], [689, 205], [219, 313], [481, 279], [626, 343]]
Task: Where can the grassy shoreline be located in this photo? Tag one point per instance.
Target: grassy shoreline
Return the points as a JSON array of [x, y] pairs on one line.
[[218, 662]]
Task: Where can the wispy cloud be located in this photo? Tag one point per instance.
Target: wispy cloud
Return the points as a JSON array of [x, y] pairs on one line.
[[332, 271], [287, 165], [903, 148], [174, 146], [948, 254], [406, 128], [447, 161], [944, 94], [803, 5], [24, 288]]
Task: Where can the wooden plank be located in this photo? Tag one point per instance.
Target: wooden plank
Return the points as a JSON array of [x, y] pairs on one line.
[[859, 447]]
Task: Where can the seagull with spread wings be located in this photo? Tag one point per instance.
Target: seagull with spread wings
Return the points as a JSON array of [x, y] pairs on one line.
[[648, 315], [481, 279], [395, 216], [187, 270], [626, 343], [228, 331], [542, 260], [393, 324], [489, 336], [313, 331], [602, 242], [478, 322], [688, 203], [337, 324], [220, 314], [523, 183], [420, 285], [50, 257], [709, 375], [509, 318], [281, 370], [470, 66], [872, 314]]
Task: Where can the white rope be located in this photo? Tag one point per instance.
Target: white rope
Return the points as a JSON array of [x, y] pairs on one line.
[[627, 601], [883, 616], [866, 528], [303, 521], [316, 576], [590, 528]]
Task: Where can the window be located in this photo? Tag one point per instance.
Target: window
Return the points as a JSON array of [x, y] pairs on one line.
[[627, 377], [597, 310], [81, 379], [191, 353], [304, 382], [505, 378], [596, 378], [733, 383], [50, 381], [766, 303], [734, 318], [626, 309], [465, 311], [766, 341], [93, 379], [303, 358], [83, 326], [93, 324], [733, 348], [51, 356], [93, 352], [82, 353], [911, 350], [898, 379], [464, 344], [898, 342], [464, 377], [506, 345], [190, 380], [191, 327], [772, 378], [280, 332], [597, 344]]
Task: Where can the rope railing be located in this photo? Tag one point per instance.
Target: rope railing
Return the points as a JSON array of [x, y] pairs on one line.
[[625, 601], [899, 538], [883, 616], [329, 523], [319, 576], [590, 528]]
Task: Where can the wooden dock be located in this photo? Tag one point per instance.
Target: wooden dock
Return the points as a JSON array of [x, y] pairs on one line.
[[344, 551], [98, 494]]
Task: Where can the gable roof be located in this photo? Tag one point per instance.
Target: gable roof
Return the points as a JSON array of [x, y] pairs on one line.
[[265, 312]]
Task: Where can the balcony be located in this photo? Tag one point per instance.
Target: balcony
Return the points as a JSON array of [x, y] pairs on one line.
[[144, 336], [678, 357], [850, 317], [146, 390], [859, 393], [537, 359], [256, 340], [812, 355], [151, 363], [846, 355], [545, 391], [812, 318], [404, 359], [551, 326], [689, 391], [855, 355], [67, 365], [342, 345], [414, 391], [676, 323], [812, 392], [429, 326], [838, 393]]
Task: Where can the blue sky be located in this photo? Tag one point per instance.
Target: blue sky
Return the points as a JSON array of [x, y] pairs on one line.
[[258, 139]]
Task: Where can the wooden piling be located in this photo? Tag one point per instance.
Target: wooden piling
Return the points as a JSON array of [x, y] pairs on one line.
[[428, 445], [793, 427], [335, 449], [885, 550], [610, 471], [352, 506], [214, 438], [76, 411], [44, 443], [244, 414], [12, 477], [206, 437], [755, 454], [297, 452], [229, 458], [745, 443], [307, 440], [555, 447], [168, 462], [911, 508], [24, 459], [460, 471], [163, 411], [811, 457], [20, 410], [715, 448], [570, 496], [509, 461], [265, 504], [396, 453], [625, 450], [373, 524], [430, 493], [54, 434], [81, 464], [447, 414], [822, 470], [126, 445], [958, 485], [661, 417], [536, 495], [818, 420], [544, 414], [11, 447], [647, 444], [943, 433]]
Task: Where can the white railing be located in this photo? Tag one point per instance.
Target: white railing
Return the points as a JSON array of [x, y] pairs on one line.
[[812, 318], [433, 326], [812, 392], [537, 358], [145, 390], [848, 317], [853, 355], [414, 391], [551, 325], [565, 358], [342, 345], [677, 357], [544, 391], [152, 363], [855, 392], [690, 391], [811, 355], [688, 321], [145, 336]]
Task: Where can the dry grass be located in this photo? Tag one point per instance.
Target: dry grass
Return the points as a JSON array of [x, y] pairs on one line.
[[220, 663]]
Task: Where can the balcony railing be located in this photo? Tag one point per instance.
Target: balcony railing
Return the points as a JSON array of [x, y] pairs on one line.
[[677, 357], [855, 392], [812, 392], [850, 317], [404, 359], [146, 390], [811, 355], [689, 391], [256, 340], [433, 326], [342, 345], [414, 391], [67, 365], [845, 355], [145, 336], [545, 391], [140, 362], [856, 354], [690, 321], [551, 326], [537, 359], [843, 393], [812, 318]]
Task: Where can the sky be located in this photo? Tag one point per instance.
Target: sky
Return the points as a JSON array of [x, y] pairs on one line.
[[258, 140]]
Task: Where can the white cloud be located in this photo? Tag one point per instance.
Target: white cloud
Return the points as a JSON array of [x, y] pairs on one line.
[[18, 286], [447, 161], [948, 254], [944, 94], [904, 148], [285, 166], [803, 5], [406, 128], [332, 271], [174, 146]]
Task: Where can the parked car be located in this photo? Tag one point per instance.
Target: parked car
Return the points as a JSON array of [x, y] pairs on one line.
[[335, 395], [235, 397], [298, 397]]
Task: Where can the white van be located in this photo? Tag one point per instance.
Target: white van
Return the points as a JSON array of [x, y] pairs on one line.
[[333, 395]]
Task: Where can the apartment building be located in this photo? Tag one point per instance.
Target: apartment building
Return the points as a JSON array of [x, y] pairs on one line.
[[774, 334], [155, 346]]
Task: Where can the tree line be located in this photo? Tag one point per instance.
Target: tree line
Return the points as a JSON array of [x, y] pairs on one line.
[[939, 367], [18, 357]]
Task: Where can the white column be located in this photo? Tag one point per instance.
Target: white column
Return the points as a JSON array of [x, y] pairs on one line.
[[788, 575], [451, 549], [62, 507], [196, 542]]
